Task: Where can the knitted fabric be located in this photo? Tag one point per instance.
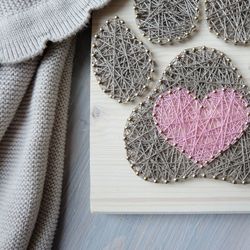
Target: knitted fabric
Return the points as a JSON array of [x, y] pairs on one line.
[[26, 26], [34, 98], [32, 148]]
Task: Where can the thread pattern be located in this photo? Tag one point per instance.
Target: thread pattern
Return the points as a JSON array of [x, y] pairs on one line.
[[164, 21], [122, 63], [229, 19], [199, 70], [201, 129]]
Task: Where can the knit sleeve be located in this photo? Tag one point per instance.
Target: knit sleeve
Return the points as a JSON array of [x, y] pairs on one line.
[[26, 26]]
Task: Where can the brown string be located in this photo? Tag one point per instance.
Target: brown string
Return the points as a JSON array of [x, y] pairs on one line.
[[229, 19], [164, 21], [122, 64], [199, 70]]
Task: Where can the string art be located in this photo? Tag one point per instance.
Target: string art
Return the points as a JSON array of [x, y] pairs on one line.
[[164, 21], [229, 19], [201, 129], [203, 84], [122, 63]]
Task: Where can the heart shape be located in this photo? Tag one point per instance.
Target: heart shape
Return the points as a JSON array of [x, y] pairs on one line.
[[201, 129]]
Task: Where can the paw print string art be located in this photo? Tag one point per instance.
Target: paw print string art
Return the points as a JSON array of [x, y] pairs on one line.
[[122, 63], [164, 21], [194, 124], [229, 19]]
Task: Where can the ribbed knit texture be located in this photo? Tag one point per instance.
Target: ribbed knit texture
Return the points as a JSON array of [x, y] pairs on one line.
[[26, 26], [34, 98], [32, 148]]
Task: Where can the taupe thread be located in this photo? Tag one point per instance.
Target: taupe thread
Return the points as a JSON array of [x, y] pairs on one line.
[[122, 63], [164, 21], [229, 19], [199, 70]]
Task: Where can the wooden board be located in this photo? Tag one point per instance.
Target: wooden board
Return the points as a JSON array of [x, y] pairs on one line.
[[114, 186]]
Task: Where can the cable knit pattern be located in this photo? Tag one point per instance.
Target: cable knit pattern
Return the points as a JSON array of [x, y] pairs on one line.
[[34, 98], [26, 26]]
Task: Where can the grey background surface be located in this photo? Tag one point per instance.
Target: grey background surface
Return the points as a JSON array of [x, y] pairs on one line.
[[79, 229]]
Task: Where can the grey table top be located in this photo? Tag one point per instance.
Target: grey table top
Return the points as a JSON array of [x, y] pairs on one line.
[[79, 229]]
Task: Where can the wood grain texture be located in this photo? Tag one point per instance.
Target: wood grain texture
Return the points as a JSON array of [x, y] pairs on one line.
[[114, 186], [78, 229]]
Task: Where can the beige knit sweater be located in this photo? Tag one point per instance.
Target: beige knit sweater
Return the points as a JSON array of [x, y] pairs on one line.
[[34, 97]]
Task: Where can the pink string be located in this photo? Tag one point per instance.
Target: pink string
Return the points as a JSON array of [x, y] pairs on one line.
[[201, 129]]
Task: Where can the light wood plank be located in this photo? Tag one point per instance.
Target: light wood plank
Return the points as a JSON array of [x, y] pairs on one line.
[[114, 186]]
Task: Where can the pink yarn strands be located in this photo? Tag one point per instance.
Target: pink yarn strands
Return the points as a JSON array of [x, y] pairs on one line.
[[201, 129]]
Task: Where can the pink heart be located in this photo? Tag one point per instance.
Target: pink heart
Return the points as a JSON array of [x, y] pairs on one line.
[[201, 129]]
